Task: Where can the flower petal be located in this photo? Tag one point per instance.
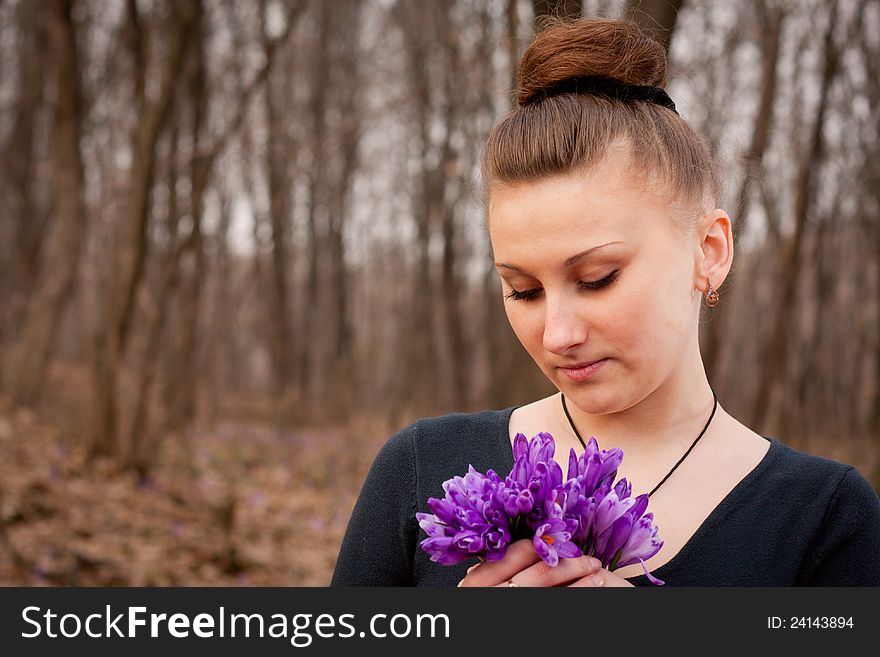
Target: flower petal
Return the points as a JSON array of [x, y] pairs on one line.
[[568, 550], [651, 578]]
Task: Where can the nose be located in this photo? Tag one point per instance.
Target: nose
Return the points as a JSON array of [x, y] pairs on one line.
[[563, 329]]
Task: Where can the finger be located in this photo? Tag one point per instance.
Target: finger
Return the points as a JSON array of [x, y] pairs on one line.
[[601, 578], [566, 571], [612, 580], [594, 580], [519, 555]]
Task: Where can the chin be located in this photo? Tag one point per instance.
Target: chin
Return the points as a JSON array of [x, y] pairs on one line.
[[595, 404], [589, 398], [599, 398]]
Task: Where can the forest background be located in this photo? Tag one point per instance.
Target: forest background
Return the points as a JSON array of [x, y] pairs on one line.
[[243, 243]]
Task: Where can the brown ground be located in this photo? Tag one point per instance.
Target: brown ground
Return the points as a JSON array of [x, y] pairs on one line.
[[243, 505]]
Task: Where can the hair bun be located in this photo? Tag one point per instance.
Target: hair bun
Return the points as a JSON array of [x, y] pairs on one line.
[[599, 46]]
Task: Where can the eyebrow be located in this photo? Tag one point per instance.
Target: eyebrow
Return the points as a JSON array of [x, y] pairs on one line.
[[569, 262]]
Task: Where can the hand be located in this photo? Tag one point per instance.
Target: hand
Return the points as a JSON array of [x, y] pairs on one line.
[[522, 565]]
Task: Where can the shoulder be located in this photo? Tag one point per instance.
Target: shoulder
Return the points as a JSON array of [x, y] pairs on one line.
[[438, 448], [845, 547], [451, 432], [856, 497], [446, 434], [802, 471], [790, 488], [455, 430], [831, 492]]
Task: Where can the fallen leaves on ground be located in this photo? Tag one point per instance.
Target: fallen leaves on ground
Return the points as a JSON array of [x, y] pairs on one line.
[[243, 504]]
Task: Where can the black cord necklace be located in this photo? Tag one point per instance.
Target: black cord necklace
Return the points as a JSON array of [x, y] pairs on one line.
[[668, 474]]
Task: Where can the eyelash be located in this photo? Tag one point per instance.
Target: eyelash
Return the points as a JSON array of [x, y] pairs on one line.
[[529, 295]]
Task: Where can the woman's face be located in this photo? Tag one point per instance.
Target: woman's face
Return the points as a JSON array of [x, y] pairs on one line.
[[592, 267]]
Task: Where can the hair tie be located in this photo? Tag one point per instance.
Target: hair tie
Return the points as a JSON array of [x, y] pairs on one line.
[[606, 87]]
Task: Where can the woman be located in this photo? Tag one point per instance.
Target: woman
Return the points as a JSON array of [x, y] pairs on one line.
[[601, 213]]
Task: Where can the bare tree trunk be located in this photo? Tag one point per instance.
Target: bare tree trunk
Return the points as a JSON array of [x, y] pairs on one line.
[[221, 343], [181, 381], [139, 454], [448, 169], [773, 363], [258, 279], [493, 317], [278, 153], [22, 216], [112, 341], [344, 335], [871, 175], [307, 356], [822, 360], [186, 381], [870, 181], [349, 130], [772, 19], [875, 423], [451, 285], [40, 328], [419, 366], [512, 46], [771, 38], [313, 380], [657, 17]]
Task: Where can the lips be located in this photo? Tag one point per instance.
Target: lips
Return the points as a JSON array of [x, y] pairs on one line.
[[578, 366], [584, 371]]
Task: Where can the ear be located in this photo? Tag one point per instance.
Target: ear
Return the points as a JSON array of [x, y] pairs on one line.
[[715, 255]]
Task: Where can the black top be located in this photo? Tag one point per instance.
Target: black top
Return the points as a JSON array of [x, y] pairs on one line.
[[795, 519]]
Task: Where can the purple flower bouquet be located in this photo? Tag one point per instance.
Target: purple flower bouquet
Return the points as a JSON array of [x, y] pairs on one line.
[[587, 513]]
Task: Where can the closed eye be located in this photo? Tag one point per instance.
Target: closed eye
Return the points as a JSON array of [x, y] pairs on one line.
[[529, 295]]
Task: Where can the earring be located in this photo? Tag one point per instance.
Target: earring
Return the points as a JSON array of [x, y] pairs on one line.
[[711, 296]]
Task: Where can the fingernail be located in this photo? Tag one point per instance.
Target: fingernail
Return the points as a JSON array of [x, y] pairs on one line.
[[598, 580], [596, 563]]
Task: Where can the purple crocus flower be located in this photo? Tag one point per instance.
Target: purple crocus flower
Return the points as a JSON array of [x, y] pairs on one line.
[[622, 533], [553, 540], [585, 513], [469, 521], [578, 507], [533, 485], [596, 466], [642, 544], [527, 454], [546, 488]]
